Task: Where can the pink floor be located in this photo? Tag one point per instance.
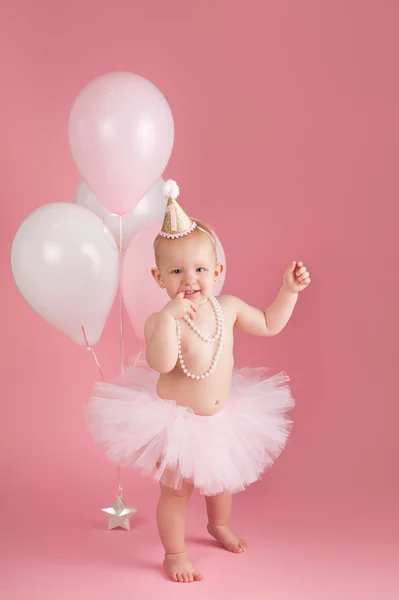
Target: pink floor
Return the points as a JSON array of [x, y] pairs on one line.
[[61, 549]]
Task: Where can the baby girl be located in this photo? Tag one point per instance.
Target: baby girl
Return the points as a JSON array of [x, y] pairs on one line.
[[191, 420]]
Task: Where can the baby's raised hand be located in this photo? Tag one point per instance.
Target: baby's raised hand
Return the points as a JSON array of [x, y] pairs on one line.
[[180, 306], [296, 277]]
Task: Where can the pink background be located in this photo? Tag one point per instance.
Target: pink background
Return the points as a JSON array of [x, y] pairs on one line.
[[288, 111]]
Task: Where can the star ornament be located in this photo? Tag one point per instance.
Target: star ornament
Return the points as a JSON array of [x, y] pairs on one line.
[[119, 515]]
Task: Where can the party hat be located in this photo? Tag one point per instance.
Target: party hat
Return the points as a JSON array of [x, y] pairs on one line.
[[176, 222]]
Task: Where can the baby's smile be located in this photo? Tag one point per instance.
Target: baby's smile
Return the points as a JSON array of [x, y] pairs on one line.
[[190, 293]]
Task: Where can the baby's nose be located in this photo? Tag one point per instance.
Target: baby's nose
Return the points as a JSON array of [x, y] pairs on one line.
[[190, 278]]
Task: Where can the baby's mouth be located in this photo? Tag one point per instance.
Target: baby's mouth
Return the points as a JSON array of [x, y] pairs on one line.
[[190, 293]]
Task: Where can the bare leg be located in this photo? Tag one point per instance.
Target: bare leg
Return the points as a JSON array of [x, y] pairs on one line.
[[171, 519], [219, 509]]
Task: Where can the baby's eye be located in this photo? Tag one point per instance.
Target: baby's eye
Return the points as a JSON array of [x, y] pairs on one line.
[[200, 269], [176, 271]]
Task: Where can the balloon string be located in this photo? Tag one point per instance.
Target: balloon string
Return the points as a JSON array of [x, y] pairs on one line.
[[121, 328], [138, 356], [90, 349]]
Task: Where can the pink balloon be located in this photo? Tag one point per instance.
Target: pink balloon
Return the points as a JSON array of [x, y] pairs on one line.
[[141, 294], [121, 134]]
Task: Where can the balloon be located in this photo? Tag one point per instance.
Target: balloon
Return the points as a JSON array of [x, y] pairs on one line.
[[141, 295], [152, 207], [221, 258], [65, 264], [121, 134]]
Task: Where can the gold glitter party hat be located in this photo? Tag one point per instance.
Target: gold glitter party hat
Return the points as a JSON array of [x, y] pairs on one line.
[[176, 222]]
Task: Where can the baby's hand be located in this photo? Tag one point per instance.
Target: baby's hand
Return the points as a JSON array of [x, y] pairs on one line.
[[296, 277], [179, 307]]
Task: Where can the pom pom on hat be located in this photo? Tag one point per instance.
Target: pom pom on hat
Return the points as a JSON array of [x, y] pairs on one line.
[[171, 189]]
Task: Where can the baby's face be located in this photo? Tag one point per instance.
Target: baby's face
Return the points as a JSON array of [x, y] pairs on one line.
[[187, 265]]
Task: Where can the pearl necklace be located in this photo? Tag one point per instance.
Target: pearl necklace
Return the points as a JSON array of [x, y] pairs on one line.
[[219, 319], [218, 337]]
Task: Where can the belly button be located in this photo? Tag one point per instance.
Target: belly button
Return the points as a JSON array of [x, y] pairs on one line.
[[217, 402]]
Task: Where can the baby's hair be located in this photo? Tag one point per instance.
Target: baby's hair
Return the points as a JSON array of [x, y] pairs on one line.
[[205, 229], [201, 228]]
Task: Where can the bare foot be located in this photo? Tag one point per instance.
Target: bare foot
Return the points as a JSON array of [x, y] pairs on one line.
[[178, 568], [224, 535]]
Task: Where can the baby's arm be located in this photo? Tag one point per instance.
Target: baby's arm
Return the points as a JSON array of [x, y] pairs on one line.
[[160, 333], [161, 342], [265, 322], [273, 320]]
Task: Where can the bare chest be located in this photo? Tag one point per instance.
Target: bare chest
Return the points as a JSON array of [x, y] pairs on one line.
[[202, 339]]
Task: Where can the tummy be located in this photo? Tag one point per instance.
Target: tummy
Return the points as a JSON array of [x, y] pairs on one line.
[[205, 397]]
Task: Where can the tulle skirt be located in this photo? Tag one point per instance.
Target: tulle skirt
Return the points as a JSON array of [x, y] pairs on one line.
[[226, 451]]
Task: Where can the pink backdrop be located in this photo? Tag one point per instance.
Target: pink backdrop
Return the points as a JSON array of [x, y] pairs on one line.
[[288, 110]]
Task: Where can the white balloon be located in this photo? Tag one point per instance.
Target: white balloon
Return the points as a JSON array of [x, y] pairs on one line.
[[65, 264], [150, 208]]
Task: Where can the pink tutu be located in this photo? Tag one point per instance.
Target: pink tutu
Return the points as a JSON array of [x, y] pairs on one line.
[[226, 451]]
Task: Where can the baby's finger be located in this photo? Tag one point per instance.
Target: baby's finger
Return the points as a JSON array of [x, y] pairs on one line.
[[190, 312], [194, 306], [304, 275], [179, 295], [299, 263], [300, 271]]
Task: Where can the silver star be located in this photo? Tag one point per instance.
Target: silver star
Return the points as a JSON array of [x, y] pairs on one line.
[[119, 515]]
